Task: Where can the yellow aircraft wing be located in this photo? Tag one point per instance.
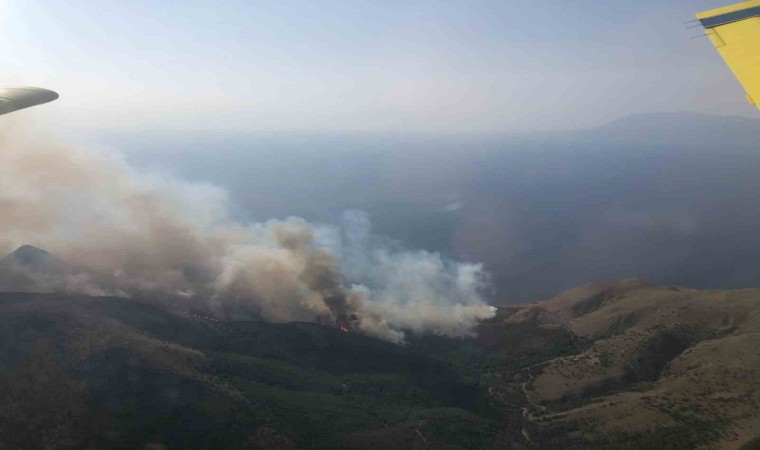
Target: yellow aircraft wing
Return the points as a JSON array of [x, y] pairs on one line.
[[735, 32]]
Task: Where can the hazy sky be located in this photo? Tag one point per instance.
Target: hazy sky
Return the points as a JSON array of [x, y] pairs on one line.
[[351, 65]]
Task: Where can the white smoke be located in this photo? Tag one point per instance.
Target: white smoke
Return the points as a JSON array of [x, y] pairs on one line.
[[415, 290], [133, 234]]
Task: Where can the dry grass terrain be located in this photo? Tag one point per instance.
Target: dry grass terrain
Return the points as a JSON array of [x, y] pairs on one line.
[[657, 367]]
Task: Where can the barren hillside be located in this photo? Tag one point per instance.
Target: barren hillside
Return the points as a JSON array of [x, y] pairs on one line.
[[654, 367]]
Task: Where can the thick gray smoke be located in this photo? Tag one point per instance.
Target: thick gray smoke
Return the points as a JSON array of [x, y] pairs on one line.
[[131, 234]]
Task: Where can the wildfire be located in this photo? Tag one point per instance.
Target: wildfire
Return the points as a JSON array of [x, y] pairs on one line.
[[343, 328]]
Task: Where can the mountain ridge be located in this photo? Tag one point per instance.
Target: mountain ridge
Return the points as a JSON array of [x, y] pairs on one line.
[[656, 367], [618, 364]]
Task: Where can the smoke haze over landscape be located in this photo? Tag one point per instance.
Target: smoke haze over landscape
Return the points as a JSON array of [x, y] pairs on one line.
[[428, 224], [449, 130], [667, 203], [127, 233], [664, 197]]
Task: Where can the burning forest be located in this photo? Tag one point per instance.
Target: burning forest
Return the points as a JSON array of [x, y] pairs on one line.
[[125, 233]]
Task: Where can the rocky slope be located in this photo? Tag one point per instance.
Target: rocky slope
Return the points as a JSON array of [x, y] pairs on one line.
[[652, 367]]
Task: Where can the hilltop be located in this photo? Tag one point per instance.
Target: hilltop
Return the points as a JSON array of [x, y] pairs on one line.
[[31, 269], [649, 367]]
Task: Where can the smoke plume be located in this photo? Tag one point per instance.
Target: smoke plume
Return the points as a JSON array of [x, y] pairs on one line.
[[133, 234]]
